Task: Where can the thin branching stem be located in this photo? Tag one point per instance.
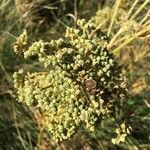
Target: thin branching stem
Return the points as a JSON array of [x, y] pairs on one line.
[[127, 138]]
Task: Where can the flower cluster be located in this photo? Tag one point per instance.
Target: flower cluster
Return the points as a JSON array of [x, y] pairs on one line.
[[83, 85], [121, 132], [21, 43]]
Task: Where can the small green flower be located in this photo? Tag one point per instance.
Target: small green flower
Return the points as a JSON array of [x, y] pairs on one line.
[[62, 91]]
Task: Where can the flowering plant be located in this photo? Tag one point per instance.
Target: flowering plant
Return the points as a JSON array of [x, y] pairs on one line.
[[83, 83]]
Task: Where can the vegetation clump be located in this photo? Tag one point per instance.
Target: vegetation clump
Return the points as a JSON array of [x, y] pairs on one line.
[[82, 85]]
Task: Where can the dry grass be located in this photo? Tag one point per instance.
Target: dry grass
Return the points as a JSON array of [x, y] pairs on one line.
[[127, 23]]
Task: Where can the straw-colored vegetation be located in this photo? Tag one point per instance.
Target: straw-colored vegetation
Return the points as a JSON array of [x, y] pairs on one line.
[[125, 22]]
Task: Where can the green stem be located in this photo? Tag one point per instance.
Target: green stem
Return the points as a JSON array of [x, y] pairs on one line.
[[16, 125], [127, 138], [9, 79]]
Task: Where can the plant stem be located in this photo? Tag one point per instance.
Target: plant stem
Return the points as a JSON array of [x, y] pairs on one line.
[[114, 16], [139, 9], [146, 23], [16, 124], [131, 9], [146, 16], [133, 37], [139, 148], [114, 38], [40, 136], [118, 41], [75, 13]]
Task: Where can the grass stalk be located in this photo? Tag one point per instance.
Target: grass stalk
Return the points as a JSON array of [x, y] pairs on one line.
[[119, 40], [8, 33], [140, 9], [9, 79], [133, 37], [146, 16], [131, 9], [16, 124], [29, 137], [146, 23], [75, 13], [115, 37], [114, 16], [4, 4]]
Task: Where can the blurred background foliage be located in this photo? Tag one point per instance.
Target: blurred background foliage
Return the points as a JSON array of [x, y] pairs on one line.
[[128, 25]]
